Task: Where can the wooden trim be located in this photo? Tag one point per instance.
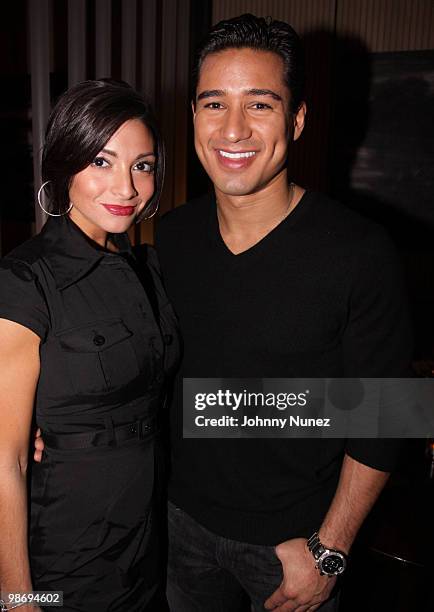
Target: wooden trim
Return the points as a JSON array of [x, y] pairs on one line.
[[182, 108], [174, 98], [129, 41], [148, 50], [103, 38], [76, 41], [39, 41]]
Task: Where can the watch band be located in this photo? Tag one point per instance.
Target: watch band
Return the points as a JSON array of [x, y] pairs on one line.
[[321, 553], [315, 546]]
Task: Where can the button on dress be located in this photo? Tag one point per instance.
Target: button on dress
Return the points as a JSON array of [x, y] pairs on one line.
[[109, 345]]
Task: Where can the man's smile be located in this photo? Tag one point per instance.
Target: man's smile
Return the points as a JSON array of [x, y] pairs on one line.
[[235, 160], [234, 155]]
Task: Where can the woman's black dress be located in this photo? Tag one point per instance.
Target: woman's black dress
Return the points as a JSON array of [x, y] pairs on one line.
[[108, 345]]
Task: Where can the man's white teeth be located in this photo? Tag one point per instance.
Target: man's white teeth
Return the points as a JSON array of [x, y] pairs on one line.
[[237, 155]]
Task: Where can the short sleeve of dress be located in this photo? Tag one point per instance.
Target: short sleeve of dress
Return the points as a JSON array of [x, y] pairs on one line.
[[21, 299]]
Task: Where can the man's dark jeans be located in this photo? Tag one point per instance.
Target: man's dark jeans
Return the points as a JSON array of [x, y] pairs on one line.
[[209, 573]]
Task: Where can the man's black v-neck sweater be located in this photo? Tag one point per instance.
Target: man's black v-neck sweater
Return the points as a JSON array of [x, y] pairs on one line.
[[319, 296]]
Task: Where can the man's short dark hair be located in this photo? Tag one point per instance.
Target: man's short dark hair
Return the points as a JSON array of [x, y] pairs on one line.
[[262, 34]]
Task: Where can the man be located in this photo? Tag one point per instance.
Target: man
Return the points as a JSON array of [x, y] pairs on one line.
[[270, 280]]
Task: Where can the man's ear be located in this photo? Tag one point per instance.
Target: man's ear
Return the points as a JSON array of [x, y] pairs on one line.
[[298, 120], [193, 110]]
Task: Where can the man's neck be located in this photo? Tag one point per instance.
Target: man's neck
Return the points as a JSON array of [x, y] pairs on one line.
[[245, 220]]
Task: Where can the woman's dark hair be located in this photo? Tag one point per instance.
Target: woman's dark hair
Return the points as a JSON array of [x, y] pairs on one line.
[[250, 32], [84, 118]]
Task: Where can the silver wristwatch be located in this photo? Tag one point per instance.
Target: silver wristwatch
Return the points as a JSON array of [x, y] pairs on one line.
[[329, 562]]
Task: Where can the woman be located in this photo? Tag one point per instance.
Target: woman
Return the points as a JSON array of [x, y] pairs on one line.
[[88, 339]]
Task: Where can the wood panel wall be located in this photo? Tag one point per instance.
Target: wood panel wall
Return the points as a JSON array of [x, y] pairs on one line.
[[175, 106], [303, 15], [384, 25], [388, 25]]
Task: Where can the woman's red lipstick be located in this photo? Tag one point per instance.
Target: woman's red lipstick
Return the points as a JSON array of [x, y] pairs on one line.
[[120, 211]]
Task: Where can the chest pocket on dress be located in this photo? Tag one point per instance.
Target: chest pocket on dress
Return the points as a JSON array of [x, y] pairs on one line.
[[100, 356]]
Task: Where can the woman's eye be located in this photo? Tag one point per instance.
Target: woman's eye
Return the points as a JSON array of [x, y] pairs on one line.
[[144, 167], [100, 162]]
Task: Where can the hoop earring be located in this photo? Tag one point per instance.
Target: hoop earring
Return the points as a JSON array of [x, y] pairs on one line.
[[163, 172], [149, 216], [46, 211]]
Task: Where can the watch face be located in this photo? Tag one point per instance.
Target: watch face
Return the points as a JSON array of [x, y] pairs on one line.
[[332, 564]]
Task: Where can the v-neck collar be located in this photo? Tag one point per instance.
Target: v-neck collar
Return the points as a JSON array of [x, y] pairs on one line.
[[289, 221]]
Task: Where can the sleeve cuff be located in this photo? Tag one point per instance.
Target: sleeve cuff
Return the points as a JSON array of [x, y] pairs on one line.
[[21, 316], [380, 453]]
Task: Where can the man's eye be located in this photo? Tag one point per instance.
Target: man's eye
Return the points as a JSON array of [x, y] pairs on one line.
[[261, 106], [100, 162], [144, 166], [213, 105]]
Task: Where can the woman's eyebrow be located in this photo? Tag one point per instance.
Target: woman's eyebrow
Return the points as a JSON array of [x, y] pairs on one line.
[[114, 154]]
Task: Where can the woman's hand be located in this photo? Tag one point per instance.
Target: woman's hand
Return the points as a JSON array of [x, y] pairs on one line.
[[39, 446]]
